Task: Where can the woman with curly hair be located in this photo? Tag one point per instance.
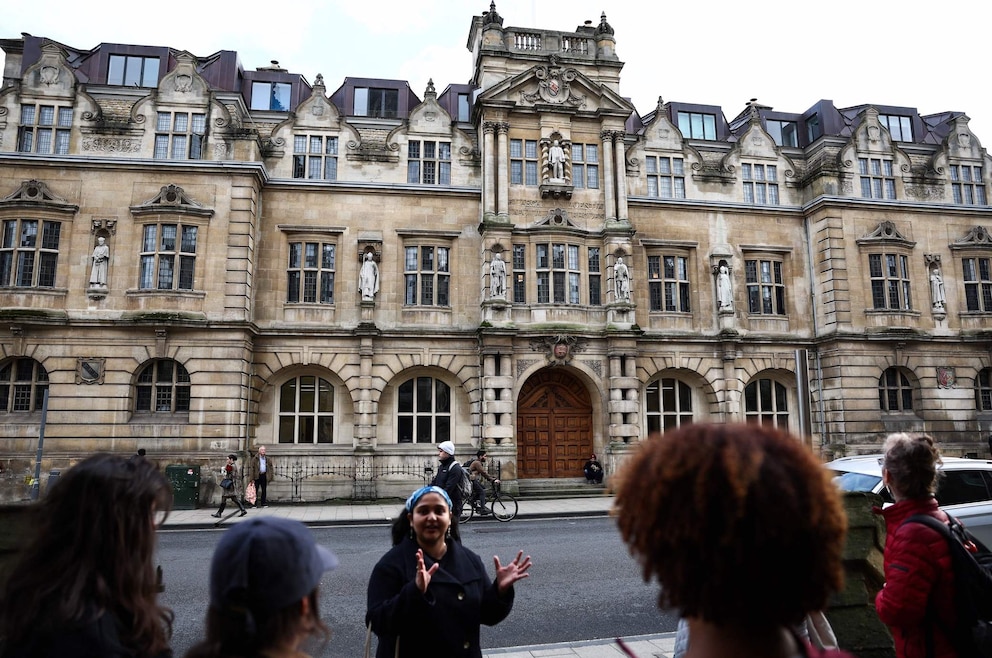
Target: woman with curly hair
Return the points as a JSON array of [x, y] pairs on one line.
[[919, 573], [85, 585], [743, 529]]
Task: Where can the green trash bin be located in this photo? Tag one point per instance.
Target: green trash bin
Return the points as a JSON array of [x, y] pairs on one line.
[[185, 481]]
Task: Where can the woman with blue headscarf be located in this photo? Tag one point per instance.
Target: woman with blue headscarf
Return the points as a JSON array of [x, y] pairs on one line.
[[429, 594]]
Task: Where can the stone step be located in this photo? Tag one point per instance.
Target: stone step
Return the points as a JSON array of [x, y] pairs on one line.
[[558, 488]]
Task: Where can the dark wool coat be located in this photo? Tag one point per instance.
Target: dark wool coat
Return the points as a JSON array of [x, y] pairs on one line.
[[449, 478], [443, 622], [918, 566]]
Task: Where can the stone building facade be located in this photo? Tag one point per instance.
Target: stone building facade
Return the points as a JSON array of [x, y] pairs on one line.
[[198, 259]]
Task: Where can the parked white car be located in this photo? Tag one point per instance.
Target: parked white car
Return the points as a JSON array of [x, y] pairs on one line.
[[964, 490]]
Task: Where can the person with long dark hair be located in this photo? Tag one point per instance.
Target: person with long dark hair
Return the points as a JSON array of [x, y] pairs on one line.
[[428, 595], [264, 582], [85, 584]]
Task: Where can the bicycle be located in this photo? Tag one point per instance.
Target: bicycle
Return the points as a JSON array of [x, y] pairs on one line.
[[502, 505]]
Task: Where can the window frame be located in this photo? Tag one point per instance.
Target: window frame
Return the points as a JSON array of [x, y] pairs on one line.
[[968, 184], [883, 283], [760, 183], [669, 282], [889, 385], [657, 175], [322, 421], [177, 386], [877, 176], [524, 162], [697, 125], [440, 419], [15, 388], [187, 260], [983, 390], [38, 120], [428, 162], [364, 103], [754, 402], [276, 93], [766, 295], [308, 161], [315, 272], [977, 281], [585, 166], [38, 260], [187, 136], [421, 281], [779, 129], [658, 416], [146, 76], [897, 125]]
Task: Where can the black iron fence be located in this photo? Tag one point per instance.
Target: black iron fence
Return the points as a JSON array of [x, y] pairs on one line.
[[364, 472]]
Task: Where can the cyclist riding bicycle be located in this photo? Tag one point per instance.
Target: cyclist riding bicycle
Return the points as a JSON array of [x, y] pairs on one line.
[[477, 472]]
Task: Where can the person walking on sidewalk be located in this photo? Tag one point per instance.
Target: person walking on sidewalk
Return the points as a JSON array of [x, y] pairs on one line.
[[742, 528], [428, 595], [449, 475], [260, 472], [233, 489]]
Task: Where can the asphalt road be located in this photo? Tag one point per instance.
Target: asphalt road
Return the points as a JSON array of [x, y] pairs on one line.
[[584, 585]]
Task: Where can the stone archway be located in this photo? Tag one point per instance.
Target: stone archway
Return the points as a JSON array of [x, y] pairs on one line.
[[554, 425]]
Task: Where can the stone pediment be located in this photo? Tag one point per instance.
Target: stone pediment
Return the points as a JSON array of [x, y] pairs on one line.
[[977, 238], [317, 111], [171, 199], [36, 194], [886, 232], [555, 85]]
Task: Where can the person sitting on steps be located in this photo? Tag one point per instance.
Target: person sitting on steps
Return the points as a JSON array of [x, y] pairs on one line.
[[477, 472]]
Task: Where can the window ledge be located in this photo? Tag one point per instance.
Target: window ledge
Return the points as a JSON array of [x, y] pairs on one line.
[[159, 418], [143, 292]]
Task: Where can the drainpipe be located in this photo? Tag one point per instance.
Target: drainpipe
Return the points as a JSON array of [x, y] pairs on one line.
[[824, 439]]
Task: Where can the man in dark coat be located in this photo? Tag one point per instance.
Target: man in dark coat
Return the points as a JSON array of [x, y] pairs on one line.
[[449, 475]]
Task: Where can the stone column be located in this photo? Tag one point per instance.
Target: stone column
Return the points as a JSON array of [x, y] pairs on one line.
[[621, 175], [503, 166], [489, 170], [608, 176], [366, 409]]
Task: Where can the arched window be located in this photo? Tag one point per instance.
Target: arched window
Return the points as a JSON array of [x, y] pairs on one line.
[[424, 411], [162, 387], [23, 383], [895, 393], [306, 410], [983, 390], [767, 402], [668, 404]]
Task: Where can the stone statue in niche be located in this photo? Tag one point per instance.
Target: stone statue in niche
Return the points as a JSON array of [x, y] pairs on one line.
[[556, 161], [101, 260], [724, 289], [621, 280], [368, 278], [497, 276], [937, 299]]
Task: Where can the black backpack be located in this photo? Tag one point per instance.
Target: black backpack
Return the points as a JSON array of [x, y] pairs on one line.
[[972, 560]]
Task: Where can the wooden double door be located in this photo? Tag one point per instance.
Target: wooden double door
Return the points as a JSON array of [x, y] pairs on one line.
[[554, 425]]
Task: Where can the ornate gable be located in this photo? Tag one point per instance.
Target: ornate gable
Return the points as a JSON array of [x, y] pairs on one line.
[[171, 199], [977, 238], [36, 194]]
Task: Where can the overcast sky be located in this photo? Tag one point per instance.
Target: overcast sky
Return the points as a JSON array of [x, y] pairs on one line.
[[786, 54]]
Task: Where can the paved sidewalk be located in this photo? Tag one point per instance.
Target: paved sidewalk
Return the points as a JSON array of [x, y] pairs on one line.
[[379, 513]]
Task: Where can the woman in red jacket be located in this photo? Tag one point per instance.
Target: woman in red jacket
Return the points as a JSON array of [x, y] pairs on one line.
[[918, 567]]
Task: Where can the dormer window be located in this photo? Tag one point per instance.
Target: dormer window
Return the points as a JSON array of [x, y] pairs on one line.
[[785, 133], [376, 102], [900, 127], [696, 125], [273, 96], [133, 71]]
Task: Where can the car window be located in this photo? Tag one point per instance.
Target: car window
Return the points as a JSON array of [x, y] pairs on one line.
[[957, 487], [857, 481]]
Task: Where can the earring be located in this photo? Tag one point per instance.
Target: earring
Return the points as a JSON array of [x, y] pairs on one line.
[[447, 533], [412, 535]]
